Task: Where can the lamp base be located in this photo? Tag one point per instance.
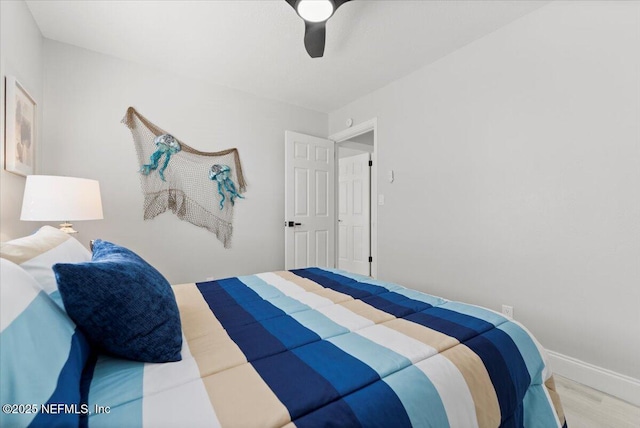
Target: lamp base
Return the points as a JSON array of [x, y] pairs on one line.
[[67, 227]]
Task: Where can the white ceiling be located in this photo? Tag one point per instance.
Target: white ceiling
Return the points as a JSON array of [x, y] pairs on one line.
[[257, 47]]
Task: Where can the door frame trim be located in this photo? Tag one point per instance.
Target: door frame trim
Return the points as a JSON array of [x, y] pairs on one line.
[[337, 138]]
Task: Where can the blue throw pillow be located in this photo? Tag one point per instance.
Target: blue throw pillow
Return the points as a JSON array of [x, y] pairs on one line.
[[122, 304]]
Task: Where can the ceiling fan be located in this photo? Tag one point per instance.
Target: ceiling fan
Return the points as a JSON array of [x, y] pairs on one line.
[[315, 14]]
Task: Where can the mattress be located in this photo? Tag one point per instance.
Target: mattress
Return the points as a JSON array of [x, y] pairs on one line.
[[322, 347]]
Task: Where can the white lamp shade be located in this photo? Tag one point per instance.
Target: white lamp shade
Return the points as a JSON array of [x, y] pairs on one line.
[[53, 198]]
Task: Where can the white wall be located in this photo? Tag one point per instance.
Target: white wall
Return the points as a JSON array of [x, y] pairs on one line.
[[517, 162], [354, 146], [21, 49], [86, 96]]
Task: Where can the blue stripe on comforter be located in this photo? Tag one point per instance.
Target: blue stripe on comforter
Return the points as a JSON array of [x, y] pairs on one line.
[[501, 357], [67, 390], [321, 369]]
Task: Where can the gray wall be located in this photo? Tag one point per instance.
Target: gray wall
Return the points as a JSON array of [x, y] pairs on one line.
[[517, 164], [86, 96], [21, 49]]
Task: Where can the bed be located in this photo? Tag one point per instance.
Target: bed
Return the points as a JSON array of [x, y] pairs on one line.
[[308, 348]]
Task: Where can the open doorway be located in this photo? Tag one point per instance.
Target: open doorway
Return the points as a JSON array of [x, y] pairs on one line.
[[355, 198], [312, 196], [354, 204]]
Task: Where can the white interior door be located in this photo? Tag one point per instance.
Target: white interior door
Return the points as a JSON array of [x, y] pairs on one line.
[[309, 201], [353, 214]]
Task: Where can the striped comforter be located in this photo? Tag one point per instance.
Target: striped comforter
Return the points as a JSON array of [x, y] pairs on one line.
[[320, 347]]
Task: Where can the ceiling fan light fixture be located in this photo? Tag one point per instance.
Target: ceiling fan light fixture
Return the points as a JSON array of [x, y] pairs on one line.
[[315, 10]]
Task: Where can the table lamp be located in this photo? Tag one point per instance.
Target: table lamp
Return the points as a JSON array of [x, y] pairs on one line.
[[55, 198]]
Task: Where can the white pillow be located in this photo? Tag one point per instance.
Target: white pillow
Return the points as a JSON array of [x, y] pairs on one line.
[[37, 253], [17, 290]]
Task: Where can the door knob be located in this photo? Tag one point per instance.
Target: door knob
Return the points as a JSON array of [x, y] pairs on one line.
[[291, 224]]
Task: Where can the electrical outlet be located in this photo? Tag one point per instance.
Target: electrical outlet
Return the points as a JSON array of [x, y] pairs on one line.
[[507, 311]]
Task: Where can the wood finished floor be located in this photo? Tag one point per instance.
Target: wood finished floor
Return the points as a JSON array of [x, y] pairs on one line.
[[585, 407]]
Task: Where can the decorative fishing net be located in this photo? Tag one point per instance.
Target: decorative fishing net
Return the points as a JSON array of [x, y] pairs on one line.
[[198, 187]]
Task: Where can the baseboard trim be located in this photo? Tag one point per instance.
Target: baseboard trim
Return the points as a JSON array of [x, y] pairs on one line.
[[621, 386]]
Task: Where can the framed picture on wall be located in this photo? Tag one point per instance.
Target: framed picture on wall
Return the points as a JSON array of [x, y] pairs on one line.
[[20, 129]]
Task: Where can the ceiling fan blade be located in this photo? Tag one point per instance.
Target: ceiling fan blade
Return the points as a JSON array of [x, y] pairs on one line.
[[338, 3], [314, 38], [315, 32]]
